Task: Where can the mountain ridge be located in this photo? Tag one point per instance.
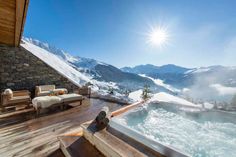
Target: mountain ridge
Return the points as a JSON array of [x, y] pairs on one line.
[[173, 74], [99, 70]]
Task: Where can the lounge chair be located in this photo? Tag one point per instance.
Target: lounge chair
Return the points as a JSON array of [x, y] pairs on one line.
[[15, 98], [53, 101], [45, 90]]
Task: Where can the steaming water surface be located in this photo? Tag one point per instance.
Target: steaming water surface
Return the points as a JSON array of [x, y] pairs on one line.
[[197, 133]]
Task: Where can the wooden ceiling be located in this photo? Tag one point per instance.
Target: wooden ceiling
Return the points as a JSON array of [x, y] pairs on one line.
[[12, 19]]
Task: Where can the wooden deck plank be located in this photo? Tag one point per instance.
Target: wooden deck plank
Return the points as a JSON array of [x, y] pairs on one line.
[[20, 134], [28, 138], [38, 137], [17, 113]]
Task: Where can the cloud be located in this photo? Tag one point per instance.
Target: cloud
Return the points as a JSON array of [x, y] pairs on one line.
[[212, 85], [223, 90]]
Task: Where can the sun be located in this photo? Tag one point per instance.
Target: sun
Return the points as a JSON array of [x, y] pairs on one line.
[[158, 37]]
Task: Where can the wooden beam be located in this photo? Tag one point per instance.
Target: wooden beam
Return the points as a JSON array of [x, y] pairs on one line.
[[7, 21], [21, 10], [24, 18]]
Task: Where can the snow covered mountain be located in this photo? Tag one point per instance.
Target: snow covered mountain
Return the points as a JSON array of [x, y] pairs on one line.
[[183, 77], [204, 83], [170, 74], [211, 83], [81, 70]]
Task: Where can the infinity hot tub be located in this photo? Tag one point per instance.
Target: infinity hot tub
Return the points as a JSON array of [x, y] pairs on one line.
[[174, 130]]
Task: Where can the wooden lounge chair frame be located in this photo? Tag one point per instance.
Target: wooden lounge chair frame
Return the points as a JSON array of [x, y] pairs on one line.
[[15, 94]]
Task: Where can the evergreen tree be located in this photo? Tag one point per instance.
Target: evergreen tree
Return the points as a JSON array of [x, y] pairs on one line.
[[146, 94]]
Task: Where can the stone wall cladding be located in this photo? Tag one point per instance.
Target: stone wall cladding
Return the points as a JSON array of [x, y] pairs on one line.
[[20, 69]]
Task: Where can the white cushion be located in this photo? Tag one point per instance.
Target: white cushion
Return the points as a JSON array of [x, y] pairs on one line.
[[71, 97], [45, 101]]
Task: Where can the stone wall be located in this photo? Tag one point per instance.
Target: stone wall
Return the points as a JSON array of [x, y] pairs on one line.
[[20, 69]]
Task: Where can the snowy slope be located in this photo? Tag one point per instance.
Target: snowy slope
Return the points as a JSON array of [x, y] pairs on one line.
[[136, 95], [81, 62], [86, 62], [64, 67], [57, 63], [160, 82]]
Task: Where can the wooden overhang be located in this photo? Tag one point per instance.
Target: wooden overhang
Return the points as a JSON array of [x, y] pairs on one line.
[[12, 19]]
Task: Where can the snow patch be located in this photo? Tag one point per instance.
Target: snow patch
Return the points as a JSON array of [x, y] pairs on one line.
[[160, 82], [165, 97], [208, 105], [136, 95], [162, 97], [70, 58], [198, 70]]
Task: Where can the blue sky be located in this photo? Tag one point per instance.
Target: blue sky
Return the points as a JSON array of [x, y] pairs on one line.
[[201, 32]]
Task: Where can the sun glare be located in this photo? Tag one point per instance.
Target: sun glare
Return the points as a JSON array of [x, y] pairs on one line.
[[158, 37]]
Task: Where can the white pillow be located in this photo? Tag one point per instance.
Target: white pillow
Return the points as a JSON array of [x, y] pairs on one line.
[[9, 93]]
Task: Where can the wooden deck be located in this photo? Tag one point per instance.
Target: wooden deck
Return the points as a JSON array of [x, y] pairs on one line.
[[38, 137]]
